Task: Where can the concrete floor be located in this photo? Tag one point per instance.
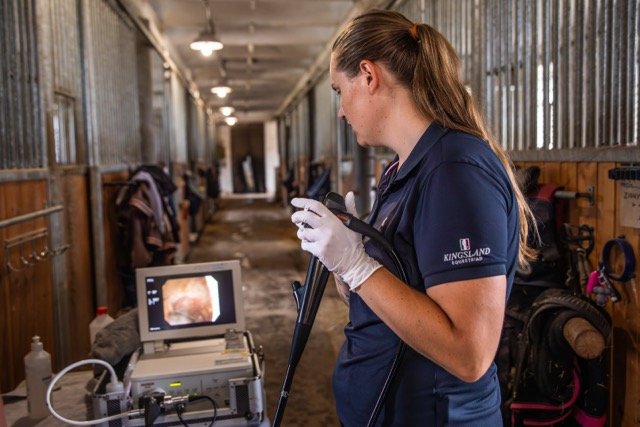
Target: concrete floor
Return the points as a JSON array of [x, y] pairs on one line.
[[260, 234]]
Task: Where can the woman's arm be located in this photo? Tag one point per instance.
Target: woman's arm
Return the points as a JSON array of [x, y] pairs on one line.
[[457, 325]]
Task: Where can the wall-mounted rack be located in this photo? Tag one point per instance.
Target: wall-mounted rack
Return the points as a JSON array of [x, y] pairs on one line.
[[28, 249], [589, 195]]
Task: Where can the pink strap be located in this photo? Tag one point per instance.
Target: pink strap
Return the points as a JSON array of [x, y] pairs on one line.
[[548, 407], [592, 282], [586, 420]]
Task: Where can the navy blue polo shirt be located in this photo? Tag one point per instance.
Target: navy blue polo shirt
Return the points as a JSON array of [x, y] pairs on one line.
[[450, 214]]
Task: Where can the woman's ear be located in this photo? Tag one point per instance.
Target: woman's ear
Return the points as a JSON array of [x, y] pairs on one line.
[[371, 73]]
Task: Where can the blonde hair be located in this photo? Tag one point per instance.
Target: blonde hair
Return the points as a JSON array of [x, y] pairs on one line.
[[424, 61]]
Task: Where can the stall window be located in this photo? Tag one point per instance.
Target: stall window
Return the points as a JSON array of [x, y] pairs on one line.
[[64, 130]]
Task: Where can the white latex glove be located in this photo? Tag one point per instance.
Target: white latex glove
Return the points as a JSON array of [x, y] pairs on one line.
[[341, 287], [338, 248]]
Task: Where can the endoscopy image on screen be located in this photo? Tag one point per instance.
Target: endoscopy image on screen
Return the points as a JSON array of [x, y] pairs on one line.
[[191, 300]]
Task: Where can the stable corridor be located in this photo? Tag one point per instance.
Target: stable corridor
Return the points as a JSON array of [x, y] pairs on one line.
[[260, 234]]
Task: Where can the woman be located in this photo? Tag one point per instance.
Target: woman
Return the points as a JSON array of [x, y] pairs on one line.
[[450, 206]]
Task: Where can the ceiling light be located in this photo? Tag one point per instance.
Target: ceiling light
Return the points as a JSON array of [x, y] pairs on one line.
[[221, 90], [227, 111], [206, 43], [231, 120]]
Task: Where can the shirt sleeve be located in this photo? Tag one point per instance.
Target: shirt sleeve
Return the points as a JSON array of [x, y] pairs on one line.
[[461, 229]]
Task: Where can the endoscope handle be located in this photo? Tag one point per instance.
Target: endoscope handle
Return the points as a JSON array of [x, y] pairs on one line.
[[336, 204]]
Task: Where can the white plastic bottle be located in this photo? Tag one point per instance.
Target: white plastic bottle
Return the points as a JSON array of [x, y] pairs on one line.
[[37, 366], [101, 320]]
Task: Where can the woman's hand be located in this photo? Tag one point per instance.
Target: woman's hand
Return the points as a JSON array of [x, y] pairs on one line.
[[339, 249]]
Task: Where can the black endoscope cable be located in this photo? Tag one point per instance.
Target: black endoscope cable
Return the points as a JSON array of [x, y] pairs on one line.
[[367, 230], [308, 299], [181, 408]]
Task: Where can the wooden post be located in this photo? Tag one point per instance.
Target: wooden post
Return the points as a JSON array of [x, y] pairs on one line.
[[583, 338]]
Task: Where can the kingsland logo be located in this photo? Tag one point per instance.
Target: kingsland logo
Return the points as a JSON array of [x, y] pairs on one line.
[[466, 254]]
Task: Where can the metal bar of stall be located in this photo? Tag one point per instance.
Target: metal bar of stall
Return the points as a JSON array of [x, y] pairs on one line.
[[577, 66], [507, 110], [10, 61], [4, 75], [631, 46], [530, 55], [18, 100], [28, 82], [23, 82], [488, 69], [491, 78], [28, 217], [546, 58], [624, 87], [517, 66], [636, 77], [563, 125], [604, 70], [39, 125], [500, 70], [559, 82], [471, 63], [476, 66], [495, 68], [590, 72], [554, 72], [614, 105]]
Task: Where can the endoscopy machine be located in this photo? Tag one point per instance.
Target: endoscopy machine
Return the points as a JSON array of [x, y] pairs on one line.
[[198, 366]]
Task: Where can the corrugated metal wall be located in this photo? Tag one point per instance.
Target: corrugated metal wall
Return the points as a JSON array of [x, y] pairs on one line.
[[65, 45], [549, 74], [161, 108], [21, 139], [111, 52], [65, 67]]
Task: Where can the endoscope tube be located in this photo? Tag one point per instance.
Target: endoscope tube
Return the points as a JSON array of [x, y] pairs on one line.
[[315, 282], [335, 202]]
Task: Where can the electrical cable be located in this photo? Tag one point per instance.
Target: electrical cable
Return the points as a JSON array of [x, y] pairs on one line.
[[116, 385], [181, 409]]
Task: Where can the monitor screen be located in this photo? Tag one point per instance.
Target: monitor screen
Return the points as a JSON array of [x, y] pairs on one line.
[[189, 300]]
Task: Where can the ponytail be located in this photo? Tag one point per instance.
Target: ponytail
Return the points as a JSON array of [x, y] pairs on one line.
[[425, 62]]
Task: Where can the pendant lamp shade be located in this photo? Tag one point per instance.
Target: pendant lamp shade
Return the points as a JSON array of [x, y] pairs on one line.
[[206, 43], [221, 90]]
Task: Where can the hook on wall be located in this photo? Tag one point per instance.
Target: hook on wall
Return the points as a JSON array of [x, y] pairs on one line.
[[28, 249]]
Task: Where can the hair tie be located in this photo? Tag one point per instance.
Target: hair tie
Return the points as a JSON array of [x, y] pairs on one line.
[[414, 32]]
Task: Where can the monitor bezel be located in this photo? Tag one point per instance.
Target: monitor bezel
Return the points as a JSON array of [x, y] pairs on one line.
[[195, 269]]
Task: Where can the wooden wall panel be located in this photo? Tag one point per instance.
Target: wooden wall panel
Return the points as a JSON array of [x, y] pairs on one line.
[[625, 377], [78, 263], [26, 296], [604, 217], [568, 177], [584, 211]]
